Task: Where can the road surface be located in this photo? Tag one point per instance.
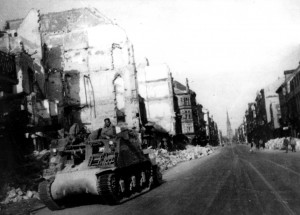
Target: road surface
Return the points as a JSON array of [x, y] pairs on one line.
[[230, 181]]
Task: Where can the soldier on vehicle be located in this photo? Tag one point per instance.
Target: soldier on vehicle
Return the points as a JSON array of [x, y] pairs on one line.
[[109, 130]]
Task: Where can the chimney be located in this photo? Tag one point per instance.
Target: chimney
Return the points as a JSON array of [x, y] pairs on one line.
[[187, 86]]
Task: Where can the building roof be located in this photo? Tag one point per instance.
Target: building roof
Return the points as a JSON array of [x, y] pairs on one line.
[[288, 77], [180, 88]]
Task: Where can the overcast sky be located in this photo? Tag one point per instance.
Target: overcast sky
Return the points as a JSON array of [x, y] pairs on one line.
[[228, 49]]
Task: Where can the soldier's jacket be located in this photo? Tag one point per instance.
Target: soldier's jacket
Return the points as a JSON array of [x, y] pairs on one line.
[[108, 131]]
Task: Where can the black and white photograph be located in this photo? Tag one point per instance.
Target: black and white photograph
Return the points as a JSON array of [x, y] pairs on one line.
[[150, 107]]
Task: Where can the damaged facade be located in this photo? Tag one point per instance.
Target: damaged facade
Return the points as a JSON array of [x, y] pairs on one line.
[[157, 89], [63, 68], [88, 66], [17, 86]]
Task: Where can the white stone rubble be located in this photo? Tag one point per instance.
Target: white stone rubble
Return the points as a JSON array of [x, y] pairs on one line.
[[277, 144], [17, 195], [167, 159]]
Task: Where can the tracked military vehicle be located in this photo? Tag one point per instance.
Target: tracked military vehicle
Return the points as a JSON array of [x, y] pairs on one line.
[[116, 170]]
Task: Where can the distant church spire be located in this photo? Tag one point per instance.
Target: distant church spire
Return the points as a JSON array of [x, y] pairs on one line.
[[229, 130]]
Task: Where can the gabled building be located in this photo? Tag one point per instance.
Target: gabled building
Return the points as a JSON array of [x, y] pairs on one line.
[[187, 105]]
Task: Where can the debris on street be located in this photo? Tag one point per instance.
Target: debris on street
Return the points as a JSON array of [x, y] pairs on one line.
[[166, 159], [16, 195], [277, 144]]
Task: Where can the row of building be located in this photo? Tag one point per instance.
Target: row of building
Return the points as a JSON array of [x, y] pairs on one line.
[[78, 66], [275, 111]]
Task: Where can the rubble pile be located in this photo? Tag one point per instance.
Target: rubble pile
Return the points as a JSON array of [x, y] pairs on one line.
[[27, 180], [17, 195], [278, 144], [275, 143], [167, 159]]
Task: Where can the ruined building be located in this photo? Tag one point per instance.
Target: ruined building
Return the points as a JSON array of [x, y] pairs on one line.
[[84, 66], [17, 88], [62, 68], [157, 89]]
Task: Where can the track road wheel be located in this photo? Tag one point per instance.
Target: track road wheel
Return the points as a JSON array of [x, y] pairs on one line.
[[45, 196], [115, 189], [109, 188]]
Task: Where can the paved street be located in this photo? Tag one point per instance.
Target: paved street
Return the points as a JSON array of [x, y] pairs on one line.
[[231, 181]]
